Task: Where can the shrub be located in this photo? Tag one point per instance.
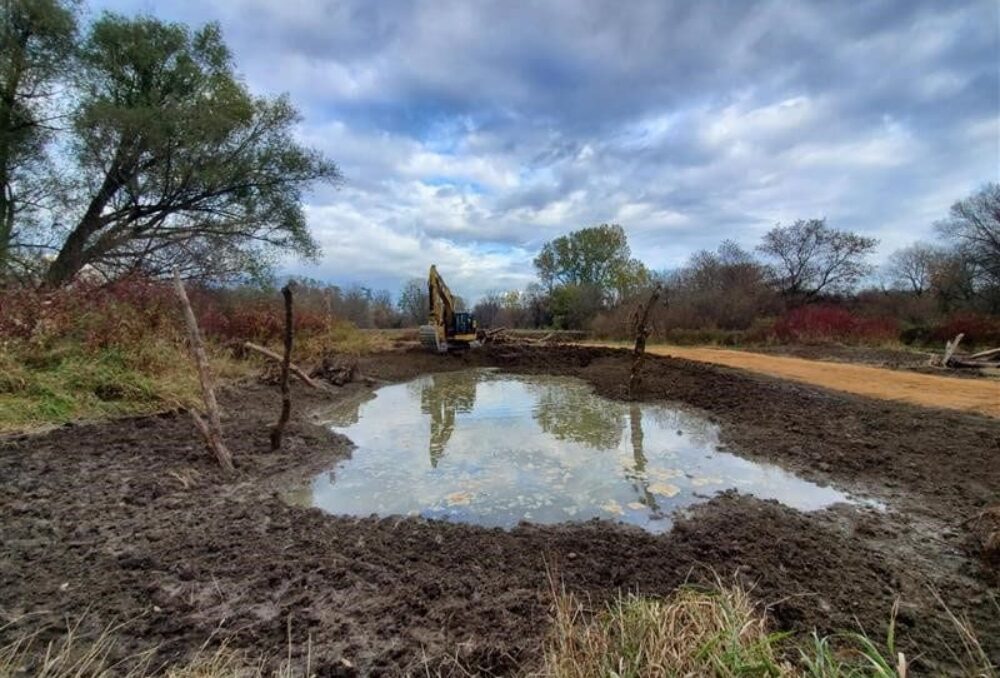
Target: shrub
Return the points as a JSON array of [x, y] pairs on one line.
[[978, 328], [825, 323]]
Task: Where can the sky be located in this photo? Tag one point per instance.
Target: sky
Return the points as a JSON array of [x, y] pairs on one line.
[[470, 132]]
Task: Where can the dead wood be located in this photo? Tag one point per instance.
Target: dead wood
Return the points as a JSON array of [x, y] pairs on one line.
[[293, 368], [949, 349], [286, 361], [641, 325], [338, 370], [212, 429], [993, 353]]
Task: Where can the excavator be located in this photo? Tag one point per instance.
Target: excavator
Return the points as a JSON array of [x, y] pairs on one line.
[[447, 329]]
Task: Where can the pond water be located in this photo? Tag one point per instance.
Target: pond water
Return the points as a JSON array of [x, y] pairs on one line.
[[494, 449]]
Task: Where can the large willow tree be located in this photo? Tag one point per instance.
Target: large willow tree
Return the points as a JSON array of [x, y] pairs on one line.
[[176, 163]]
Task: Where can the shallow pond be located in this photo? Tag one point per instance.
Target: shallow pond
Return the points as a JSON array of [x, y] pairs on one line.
[[489, 448]]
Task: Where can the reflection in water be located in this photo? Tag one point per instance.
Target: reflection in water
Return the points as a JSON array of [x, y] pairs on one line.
[[441, 398], [576, 414], [505, 448]]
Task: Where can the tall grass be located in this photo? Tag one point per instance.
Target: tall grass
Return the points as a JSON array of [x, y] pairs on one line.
[[74, 655], [92, 351], [719, 631]]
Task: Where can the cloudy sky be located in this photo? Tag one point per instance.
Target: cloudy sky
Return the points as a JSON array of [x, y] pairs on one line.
[[470, 132]]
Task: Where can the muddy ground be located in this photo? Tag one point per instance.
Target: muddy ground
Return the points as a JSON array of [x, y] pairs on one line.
[[130, 521]]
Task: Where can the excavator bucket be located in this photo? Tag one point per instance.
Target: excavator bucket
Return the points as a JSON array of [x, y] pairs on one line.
[[430, 340]]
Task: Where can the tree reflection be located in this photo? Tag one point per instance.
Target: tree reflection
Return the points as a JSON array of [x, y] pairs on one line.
[[637, 475], [578, 415], [441, 397]]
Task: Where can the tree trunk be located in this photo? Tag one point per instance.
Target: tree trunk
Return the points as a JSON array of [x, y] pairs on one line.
[[211, 430], [641, 332], [286, 396], [73, 255]]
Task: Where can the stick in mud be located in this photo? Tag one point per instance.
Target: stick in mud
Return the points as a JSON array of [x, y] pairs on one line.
[[641, 332], [212, 429], [295, 369], [286, 396]]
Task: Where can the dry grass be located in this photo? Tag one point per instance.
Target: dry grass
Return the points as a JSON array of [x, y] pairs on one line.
[[721, 632], [73, 655], [718, 632]]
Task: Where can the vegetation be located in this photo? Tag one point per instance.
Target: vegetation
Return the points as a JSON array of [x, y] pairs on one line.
[[172, 163], [814, 284], [95, 350], [718, 631]]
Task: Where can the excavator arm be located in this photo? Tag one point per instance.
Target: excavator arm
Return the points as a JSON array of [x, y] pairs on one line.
[[446, 328]]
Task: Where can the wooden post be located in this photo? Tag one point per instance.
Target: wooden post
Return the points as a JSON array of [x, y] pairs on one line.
[[212, 429], [641, 332], [286, 396]]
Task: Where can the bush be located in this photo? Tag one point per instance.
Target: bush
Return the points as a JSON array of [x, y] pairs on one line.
[[978, 328], [825, 324], [92, 350]]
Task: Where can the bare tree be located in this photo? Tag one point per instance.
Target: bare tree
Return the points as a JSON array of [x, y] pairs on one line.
[[912, 268], [413, 302], [973, 226], [810, 257]]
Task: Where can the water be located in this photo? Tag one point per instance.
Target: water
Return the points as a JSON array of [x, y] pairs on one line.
[[494, 449]]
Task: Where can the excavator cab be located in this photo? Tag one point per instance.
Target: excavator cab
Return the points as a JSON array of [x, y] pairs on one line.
[[447, 329]]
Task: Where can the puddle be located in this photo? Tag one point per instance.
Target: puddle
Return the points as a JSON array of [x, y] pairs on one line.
[[494, 449]]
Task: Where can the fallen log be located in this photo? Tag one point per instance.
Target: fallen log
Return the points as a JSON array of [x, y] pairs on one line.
[[982, 355], [292, 367]]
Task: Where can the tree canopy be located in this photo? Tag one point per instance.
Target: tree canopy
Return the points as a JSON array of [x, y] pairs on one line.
[[37, 42], [598, 257], [810, 257], [973, 226], [169, 161]]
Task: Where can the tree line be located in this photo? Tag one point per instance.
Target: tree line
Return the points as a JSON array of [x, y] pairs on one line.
[[131, 145], [589, 279]]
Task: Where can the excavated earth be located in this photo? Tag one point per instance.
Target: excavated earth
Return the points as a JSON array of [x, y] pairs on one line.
[[130, 522]]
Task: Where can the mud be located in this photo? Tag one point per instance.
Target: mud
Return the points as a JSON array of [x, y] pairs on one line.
[[129, 521]]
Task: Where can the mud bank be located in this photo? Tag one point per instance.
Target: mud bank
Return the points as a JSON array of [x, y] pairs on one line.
[[130, 521]]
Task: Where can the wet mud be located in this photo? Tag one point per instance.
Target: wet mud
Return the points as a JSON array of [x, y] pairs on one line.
[[129, 521]]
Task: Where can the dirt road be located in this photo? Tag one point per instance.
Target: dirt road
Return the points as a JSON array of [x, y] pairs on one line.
[[975, 395]]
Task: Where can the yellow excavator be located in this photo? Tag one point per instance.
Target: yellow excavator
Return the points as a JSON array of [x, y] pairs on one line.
[[447, 329]]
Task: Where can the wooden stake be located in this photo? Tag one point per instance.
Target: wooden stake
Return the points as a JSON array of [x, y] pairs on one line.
[[211, 430], [641, 332], [286, 396]]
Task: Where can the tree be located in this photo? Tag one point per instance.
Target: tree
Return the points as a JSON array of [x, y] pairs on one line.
[[597, 257], [726, 289], [973, 226], [414, 303], [37, 41], [178, 164], [812, 258], [912, 268]]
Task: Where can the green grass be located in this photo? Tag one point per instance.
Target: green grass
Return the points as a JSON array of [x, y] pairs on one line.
[[39, 387]]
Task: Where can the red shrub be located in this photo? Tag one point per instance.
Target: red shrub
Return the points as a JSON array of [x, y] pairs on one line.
[[820, 324], [978, 328], [130, 310]]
